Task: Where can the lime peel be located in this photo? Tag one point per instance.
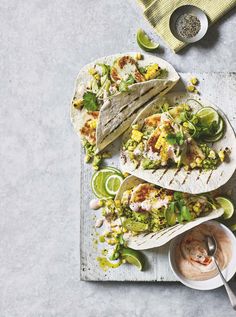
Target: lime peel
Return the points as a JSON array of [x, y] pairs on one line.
[[145, 42], [99, 179], [227, 205], [133, 257]]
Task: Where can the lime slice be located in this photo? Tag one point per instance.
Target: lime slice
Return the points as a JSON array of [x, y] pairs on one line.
[[207, 115], [113, 183], [192, 128], [135, 225], [233, 227], [133, 257], [227, 205], [116, 171], [99, 180], [145, 42], [215, 138], [221, 126]]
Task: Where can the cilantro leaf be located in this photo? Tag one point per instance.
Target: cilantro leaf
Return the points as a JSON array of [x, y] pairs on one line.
[[124, 84], [105, 69], [178, 195], [179, 138], [90, 101], [142, 70], [171, 139], [163, 73]]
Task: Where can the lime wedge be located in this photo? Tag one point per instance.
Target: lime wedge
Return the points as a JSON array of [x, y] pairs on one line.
[[145, 42], [227, 205], [207, 115], [133, 257], [99, 179], [113, 183]]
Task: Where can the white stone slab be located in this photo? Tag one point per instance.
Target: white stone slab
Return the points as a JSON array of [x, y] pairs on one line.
[[220, 89]]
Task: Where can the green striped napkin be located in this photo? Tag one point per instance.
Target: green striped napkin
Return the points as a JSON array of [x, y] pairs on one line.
[[158, 13]]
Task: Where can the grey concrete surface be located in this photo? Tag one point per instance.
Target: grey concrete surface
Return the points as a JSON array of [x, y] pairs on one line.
[[42, 46]]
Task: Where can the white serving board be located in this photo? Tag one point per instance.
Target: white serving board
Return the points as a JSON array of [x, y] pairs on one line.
[[220, 89]]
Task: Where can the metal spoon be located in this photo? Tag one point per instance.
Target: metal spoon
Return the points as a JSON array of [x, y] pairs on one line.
[[212, 247]]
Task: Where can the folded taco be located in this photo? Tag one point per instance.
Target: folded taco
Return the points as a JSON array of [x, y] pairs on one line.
[[149, 216], [181, 143], [111, 91]]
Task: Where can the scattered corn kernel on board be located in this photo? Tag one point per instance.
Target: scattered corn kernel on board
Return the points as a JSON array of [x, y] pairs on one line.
[[220, 89]]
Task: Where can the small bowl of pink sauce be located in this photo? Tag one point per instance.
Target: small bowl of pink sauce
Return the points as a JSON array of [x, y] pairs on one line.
[[190, 262]]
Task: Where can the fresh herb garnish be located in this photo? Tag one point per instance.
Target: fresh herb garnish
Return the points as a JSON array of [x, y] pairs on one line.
[[177, 138], [163, 73], [90, 101], [142, 70], [177, 210], [105, 69], [124, 84]]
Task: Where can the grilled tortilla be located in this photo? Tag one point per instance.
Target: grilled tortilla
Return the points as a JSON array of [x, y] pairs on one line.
[[194, 181], [117, 113], [147, 240]]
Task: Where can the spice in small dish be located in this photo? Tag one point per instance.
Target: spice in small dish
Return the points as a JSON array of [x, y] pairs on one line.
[[188, 25]]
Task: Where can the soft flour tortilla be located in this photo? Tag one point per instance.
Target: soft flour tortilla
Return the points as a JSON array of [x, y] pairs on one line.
[[194, 181], [118, 113], [145, 241]]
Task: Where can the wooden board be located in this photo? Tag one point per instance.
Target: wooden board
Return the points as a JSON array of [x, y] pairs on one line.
[[220, 89]]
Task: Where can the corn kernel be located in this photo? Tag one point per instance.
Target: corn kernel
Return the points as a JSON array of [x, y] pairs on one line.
[[136, 135], [193, 165], [92, 71], [102, 239], [191, 88], [117, 203], [194, 81], [131, 148], [87, 158], [109, 203], [138, 56], [185, 124], [126, 174], [198, 161], [111, 241], [212, 154], [97, 77], [222, 155], [92, 123], [78, 103]]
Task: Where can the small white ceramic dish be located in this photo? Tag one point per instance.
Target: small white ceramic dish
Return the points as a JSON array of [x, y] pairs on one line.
[[189, 9], [214, 282]]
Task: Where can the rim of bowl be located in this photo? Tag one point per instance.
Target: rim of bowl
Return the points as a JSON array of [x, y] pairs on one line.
[[211, 283], [188, 8]]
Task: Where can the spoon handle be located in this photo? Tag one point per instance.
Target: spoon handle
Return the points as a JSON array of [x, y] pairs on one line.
[[228, 289]]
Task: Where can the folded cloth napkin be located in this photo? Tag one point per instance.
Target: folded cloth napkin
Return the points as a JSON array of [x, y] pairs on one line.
[[158, 13]]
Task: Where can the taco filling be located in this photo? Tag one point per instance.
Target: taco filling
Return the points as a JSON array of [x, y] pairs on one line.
[[176, 137], [148, 208], [105, 82]]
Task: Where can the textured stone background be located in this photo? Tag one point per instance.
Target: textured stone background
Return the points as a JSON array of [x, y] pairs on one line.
[[43, 44]]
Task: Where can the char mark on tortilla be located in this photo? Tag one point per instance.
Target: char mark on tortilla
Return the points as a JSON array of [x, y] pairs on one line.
[[131, 114]]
